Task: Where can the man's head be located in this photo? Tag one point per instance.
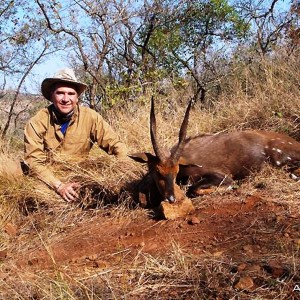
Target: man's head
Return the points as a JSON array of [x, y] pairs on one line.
[[63, 90]]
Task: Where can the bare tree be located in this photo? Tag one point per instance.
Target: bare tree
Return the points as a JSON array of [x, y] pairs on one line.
[[24, 43], [269, 21], [17, 92]]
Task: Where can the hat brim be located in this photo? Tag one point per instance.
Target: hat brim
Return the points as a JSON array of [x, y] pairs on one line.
[[49, 82]]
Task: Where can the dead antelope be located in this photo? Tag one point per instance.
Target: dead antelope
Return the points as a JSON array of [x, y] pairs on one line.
[[212, 159]]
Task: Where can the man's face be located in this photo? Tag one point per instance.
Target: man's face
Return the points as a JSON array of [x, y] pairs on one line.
[[64, 98]]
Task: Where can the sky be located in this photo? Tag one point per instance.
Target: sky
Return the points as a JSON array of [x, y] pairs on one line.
[[42, 71], [33, 81]]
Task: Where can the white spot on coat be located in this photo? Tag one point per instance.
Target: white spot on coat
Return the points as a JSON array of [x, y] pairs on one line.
[[277, 150], [295, 177]]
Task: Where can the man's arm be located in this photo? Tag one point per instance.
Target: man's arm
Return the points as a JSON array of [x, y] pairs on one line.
[[35, 156], [36, 159]]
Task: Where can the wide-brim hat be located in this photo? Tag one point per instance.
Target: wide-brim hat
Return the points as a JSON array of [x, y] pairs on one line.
[[62, 76]]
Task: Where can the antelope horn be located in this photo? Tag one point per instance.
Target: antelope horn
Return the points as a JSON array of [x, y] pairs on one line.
[[157, 150], [182, 134]]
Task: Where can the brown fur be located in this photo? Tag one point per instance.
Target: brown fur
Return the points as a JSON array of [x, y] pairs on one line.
[[221, 158], [217, 159]]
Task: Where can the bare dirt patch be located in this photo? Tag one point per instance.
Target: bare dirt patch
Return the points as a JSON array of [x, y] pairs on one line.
[[254, 237]]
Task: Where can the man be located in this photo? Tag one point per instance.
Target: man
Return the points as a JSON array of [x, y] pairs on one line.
[[65, 129]]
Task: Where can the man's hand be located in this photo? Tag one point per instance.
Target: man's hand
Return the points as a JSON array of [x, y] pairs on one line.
[[68, 191]]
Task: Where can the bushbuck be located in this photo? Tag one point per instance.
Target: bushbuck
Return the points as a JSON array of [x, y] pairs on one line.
[[209, 160]]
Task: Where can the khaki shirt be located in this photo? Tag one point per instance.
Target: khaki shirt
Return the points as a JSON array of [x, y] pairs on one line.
[[43, 139]]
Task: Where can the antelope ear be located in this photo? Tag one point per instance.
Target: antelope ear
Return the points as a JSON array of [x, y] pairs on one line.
[[142, 157]]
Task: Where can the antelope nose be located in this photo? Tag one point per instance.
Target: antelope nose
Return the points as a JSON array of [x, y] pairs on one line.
[[171, 199]]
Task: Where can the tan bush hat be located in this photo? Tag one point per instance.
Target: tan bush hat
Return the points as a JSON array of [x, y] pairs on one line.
[[62, 76]]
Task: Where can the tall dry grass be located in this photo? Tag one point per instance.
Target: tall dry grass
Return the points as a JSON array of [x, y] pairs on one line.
[[260, 96]]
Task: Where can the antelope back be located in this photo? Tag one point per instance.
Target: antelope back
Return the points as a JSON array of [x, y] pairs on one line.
[[235, 155]]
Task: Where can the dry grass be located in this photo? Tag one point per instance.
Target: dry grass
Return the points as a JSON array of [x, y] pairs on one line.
[[251, 99], [178, 275]]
